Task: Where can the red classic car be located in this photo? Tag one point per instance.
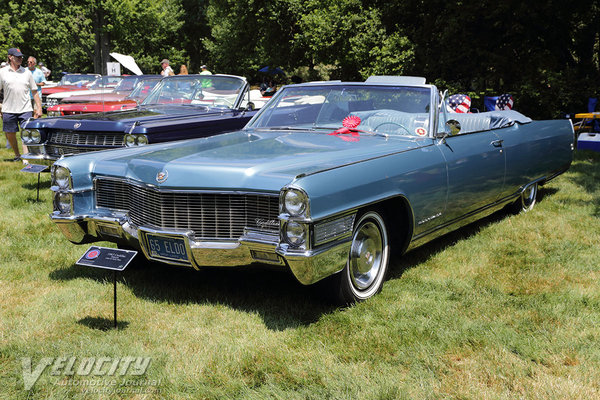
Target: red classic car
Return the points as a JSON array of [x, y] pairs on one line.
[[69, 82], [130, 91]]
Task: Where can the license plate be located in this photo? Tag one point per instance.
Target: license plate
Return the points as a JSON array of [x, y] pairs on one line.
[[172, 248]]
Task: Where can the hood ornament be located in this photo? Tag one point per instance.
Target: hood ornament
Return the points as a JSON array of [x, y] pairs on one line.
[[162, 176], [77, 125]]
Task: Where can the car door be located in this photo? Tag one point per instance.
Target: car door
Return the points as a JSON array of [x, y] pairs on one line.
[[476, 171]]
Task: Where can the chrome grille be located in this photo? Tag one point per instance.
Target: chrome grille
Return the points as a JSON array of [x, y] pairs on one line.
[[70, 137], [208, 215], [58, 151]]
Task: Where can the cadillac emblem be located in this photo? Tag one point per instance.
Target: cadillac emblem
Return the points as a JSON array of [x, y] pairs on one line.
[[162, 176], [77, 125]]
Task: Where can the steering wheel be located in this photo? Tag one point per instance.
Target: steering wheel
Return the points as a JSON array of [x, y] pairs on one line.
[[392, 123]]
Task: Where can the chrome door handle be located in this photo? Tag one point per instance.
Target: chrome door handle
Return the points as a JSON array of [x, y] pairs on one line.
[[497, 143]]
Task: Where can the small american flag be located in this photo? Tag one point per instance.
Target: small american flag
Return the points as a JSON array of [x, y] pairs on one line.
[[459, 103], [504, 102]]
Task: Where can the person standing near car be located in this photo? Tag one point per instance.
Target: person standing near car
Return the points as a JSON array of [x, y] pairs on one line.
[[45, 70], [38, 77], [166, 69], [204, 70], [17, 82]]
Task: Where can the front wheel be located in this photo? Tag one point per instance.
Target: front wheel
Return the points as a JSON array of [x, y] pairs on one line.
[[368, 260]]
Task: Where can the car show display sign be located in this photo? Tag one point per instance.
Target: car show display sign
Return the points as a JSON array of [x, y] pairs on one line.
[[107, 258], [35, 169]]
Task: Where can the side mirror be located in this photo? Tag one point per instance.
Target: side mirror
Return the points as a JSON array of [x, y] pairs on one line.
[[453, 126]]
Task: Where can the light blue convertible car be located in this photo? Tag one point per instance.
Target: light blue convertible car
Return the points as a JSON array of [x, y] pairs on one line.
[[325, 180]]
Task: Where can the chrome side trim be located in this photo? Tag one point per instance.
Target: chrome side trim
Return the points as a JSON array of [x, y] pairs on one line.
[[463, 220]]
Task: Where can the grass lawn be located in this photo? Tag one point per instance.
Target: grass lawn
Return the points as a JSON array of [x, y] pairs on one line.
[[505, 308]]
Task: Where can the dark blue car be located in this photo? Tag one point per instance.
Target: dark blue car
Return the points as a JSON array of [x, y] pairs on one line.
[[179, 107]]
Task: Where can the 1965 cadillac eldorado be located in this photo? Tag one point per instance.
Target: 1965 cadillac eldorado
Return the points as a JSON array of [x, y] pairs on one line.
[[325, 180]]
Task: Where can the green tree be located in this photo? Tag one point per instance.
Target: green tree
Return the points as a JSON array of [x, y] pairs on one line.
[[352, 39]]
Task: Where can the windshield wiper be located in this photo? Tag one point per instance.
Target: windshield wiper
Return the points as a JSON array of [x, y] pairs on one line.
[[281, 128], [353, 131]]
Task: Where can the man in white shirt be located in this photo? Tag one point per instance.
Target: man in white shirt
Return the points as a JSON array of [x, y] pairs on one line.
[[204, 70], [17, 82], [166, 69]]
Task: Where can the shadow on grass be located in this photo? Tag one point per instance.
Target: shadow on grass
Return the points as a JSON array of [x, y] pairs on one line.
[[271, 292], [103, 324], [33, 185]]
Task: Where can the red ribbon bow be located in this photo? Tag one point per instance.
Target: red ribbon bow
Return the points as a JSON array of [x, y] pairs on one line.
[[349, 126]]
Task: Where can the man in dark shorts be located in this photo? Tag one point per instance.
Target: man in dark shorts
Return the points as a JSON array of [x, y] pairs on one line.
[[17, 82]]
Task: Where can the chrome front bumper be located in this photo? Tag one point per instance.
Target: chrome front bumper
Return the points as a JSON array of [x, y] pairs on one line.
[[37, 155], [253, 247]]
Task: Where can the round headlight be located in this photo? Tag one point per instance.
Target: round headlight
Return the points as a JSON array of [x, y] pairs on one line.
[[36, 136], [61, 177], [295, 202], [142, 140], [129, 140], [26, 135], [63, 202], [295, 233]]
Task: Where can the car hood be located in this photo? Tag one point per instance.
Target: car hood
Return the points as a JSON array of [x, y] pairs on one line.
[[94, 106], [75, 93], [243, 160], [95, 97], [61, 88]]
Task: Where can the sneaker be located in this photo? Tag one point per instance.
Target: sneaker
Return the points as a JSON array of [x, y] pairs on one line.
[[16, 159]]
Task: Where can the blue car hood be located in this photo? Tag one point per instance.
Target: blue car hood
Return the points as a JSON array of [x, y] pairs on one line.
[[244, 160]]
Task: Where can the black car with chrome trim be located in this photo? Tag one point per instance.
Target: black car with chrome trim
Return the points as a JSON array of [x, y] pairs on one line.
[[179, 107]]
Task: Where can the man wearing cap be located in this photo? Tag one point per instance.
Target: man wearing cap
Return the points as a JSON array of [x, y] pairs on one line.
[[166, 70], [204, 70], [17, 82]]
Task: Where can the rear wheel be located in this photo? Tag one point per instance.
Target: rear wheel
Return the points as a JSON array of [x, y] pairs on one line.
[[527, 199], [368, 260]]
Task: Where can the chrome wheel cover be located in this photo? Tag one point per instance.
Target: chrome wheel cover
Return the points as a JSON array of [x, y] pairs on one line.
[[528, 197], [368, 257]]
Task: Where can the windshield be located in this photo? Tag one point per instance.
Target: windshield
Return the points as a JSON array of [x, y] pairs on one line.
[[393, 110], [106, 82], [70, 79], [143, 88], [206, 90]]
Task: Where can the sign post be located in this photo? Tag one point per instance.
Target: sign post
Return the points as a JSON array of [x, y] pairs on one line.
[[35, 169], [107, 258]]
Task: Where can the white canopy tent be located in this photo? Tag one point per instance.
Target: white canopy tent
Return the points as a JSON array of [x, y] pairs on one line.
[[128, 62]]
